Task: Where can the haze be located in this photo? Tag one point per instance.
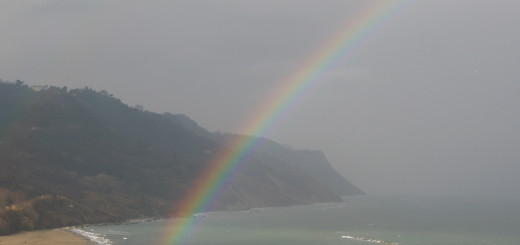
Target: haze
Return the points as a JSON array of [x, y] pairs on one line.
[[427, 105]]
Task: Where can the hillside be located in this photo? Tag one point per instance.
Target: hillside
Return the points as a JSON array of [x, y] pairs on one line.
[[82, 156]]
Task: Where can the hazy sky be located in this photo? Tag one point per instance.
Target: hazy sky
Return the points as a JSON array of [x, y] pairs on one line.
[[428, 104]]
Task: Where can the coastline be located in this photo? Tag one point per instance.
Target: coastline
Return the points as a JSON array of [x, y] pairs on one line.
[[68, 235], [46, 237], [62, 236]]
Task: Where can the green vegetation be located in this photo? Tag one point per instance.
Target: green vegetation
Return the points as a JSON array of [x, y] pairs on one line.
[[70, 157]]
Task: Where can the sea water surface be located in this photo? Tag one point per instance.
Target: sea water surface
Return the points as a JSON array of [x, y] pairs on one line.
[[359, 220]]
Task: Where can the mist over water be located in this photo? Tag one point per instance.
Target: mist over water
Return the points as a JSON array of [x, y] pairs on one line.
[[423, 116], [406, 220]]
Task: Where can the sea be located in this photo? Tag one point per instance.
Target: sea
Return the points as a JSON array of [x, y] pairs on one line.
[[360, 220]]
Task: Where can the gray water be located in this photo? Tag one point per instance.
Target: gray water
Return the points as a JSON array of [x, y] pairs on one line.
[[401, 220]]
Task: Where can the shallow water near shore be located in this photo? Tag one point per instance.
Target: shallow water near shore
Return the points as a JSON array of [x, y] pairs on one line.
[[360, 220]]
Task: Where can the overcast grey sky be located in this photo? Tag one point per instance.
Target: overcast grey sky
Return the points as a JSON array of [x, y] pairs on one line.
[[428, 104]]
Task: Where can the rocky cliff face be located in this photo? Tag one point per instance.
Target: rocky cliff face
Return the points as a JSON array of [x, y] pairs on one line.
[[311, 162], [316, 165], [82, 156]]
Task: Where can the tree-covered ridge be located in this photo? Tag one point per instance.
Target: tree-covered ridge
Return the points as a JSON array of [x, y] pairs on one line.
[[66, 145], [79, 156]]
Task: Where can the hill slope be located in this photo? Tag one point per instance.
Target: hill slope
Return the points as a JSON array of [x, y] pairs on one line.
[[82, 156]]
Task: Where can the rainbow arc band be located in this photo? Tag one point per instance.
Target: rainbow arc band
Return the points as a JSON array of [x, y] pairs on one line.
[[289, 91]]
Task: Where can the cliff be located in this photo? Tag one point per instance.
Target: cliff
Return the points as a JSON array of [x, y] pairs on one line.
[[311, 162]]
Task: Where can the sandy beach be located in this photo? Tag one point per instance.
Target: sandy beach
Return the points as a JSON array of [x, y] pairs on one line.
[[45, 237]]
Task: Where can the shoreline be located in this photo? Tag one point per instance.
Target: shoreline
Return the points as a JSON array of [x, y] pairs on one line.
[[59, 236], [91, 238], [84, 238], [66, 235]]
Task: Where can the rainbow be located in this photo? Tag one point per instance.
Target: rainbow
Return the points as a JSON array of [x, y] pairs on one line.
[[349, 37]]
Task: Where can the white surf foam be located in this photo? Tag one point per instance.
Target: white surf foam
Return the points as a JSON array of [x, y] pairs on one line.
[[97, 238], [369, 240]]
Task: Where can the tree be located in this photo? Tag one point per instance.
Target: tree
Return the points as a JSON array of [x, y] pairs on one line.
[[139, 107]]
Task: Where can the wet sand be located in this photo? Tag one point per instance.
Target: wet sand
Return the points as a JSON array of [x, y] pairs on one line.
[[45, 237]]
